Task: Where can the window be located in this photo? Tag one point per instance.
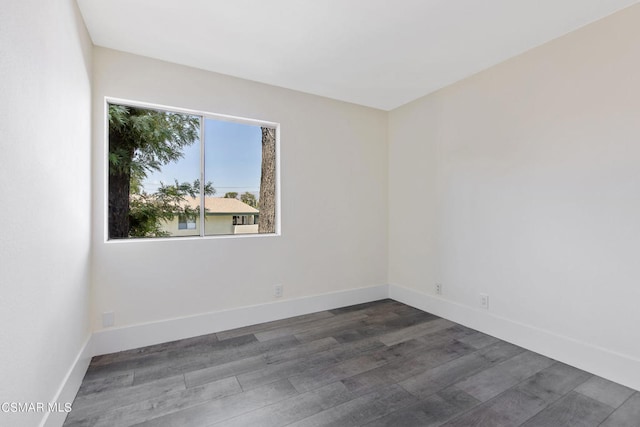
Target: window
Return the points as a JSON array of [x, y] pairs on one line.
[[244, 220], [177, 173], [186, 223]]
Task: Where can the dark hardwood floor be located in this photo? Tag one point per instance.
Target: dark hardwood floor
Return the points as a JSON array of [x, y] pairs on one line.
[[375, 364]]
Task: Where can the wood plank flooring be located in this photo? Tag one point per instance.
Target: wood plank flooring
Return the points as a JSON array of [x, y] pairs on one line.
[[375, 364]]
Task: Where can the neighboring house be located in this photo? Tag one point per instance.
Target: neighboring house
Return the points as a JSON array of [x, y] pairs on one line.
[[222, 216]]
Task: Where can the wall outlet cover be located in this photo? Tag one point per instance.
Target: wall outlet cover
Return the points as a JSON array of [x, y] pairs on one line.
[[484, 301], [108, 319], [278, 291]]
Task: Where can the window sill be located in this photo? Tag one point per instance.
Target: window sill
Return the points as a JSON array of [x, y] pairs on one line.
[[190, 238]]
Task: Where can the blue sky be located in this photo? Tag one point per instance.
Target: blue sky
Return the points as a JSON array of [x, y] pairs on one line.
[[233, 155]]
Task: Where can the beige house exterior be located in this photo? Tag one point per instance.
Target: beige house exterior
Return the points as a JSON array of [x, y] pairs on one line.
[[222, 216]]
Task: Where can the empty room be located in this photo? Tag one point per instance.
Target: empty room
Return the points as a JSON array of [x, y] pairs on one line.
[[314, 213]]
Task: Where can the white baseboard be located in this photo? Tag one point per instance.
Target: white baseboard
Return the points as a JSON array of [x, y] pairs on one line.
[[118, 339], [70, 385], [126, 338], [614, 366]]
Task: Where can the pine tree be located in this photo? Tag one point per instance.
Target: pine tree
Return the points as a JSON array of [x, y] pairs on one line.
[[142, 141]]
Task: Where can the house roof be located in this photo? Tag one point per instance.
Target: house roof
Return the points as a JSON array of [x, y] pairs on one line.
[[220, 205]]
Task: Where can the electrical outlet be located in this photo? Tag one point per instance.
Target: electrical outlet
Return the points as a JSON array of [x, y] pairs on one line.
[[108, 319], [438, 288], [277, 291], [484, 301]]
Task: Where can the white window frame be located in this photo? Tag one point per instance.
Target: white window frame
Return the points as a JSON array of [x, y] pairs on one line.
[[204, 115], [187, 222]]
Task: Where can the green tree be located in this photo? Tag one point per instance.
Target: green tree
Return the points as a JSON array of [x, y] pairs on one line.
[[148, 211], [142, 141], [249, 199], [231, 195]]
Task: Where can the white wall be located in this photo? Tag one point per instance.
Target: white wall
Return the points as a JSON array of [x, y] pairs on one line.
[[334, 195], [521, 182], [45, 178], [527, 181]]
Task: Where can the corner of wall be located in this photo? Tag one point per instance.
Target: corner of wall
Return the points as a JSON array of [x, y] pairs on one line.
[[70, 384], [614, 366]]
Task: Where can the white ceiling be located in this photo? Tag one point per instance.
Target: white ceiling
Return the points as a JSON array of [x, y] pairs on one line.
[[378, 53]]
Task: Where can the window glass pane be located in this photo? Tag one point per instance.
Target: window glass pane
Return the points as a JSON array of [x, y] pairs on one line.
[[155, 161], [234, 164], [154, 166], [187, 223]]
